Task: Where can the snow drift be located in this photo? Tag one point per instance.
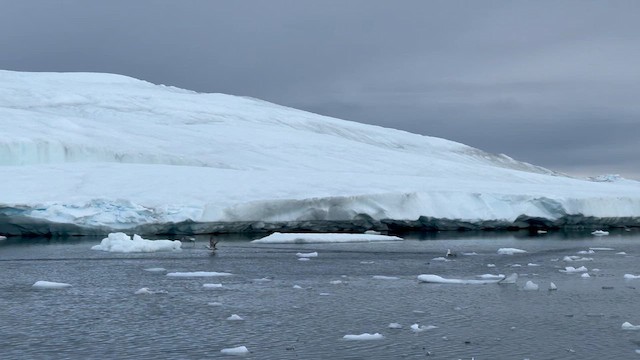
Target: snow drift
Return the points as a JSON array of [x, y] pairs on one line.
[[103, 152]]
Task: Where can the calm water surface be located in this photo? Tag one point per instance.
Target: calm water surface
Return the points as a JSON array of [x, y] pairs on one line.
[[101, 317]]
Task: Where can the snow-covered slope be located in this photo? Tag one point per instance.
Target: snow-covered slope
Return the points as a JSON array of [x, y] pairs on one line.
[[108, 150]]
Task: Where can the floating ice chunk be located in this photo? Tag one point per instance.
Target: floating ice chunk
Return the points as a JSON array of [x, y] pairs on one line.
[[491, 276], [307, 255], [516, 265], [638, 351], [585, 276], [382, 277], [576, 258], [324, 294], [336, 282], [531, 286], [214, 303], [511, 279], [240, 350], [394, 326], [586, 252], [304, 259], [420, 328], [473, 253], [510, 251], [50, 285], [198, 274], [621, 253], [367, 262], [372, 232], [212, 286], [532, 264], [122, 243], [2, 237], [156, 269], [571, 269], [143, 291], [541, 231], [552, 286], [601, 248], [365, 336], [297, 287], [235, 317], [627, 326], [491, 265], [631, 276], [600, 233], [304, 238], [429, 278]]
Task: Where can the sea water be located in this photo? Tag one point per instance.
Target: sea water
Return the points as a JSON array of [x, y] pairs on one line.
[[292, 309]]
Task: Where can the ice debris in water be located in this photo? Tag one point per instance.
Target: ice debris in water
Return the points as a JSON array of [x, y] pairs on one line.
[[585, 275], [420, 328], [50, 285], [147, 291], [307, 255], [600, 233], [239, 350], [212, 286], [552, 286], [576, 258], [155, 269], [510, 251], [382, 277], [571, 269], [365, 336], [627, 326], [430, 278], [394, 326], [235, 317], [198, 274], [122, 243], [631, 276], [531, 286]]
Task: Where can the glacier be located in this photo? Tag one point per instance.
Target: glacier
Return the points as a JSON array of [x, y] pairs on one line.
[[92, 153]]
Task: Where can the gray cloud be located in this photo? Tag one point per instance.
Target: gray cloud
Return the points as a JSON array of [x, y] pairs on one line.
[[551, 83]]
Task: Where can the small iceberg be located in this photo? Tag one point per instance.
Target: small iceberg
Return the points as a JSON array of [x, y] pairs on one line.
[[511, 279], [601, 249], [235, 317], [600, 233], [147, 291], [394, 326], [628, 326], [491, 276], [552, 286], [240, 350], [571, 258], [531, 286], [571, 269], [310, 238], [307, 255], [50, 285], [631, 276], [198, 274], [585, 275], [156, 269], [435, 279], [365, 336], [420, 328], [510, 251], [122, 243]]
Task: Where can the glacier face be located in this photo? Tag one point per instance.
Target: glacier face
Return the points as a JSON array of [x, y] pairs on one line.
[[102, 150]]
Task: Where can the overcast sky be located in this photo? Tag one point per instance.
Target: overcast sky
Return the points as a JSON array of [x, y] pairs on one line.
[[554, 83]]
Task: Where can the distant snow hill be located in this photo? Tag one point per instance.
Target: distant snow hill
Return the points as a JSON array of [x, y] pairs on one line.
[[89, 153]]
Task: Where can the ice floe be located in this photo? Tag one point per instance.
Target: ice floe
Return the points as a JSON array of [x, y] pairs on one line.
[[430, 278], [394, 326], [198, 274], [297, 287], [552, 286], [235, 317], [307, 255], [239, 350], [531, 286], [628, 326], [600, 233], [631, 276], [156, 269], [571, 269], [601, 248], [123, 243], [586, 252], [420, 328], [382, 277], [147, 291], [304, 238], [570, 258], [50, 285], [365, 336], [214, 303], [585, 275], [491, 276], [510, 251]]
